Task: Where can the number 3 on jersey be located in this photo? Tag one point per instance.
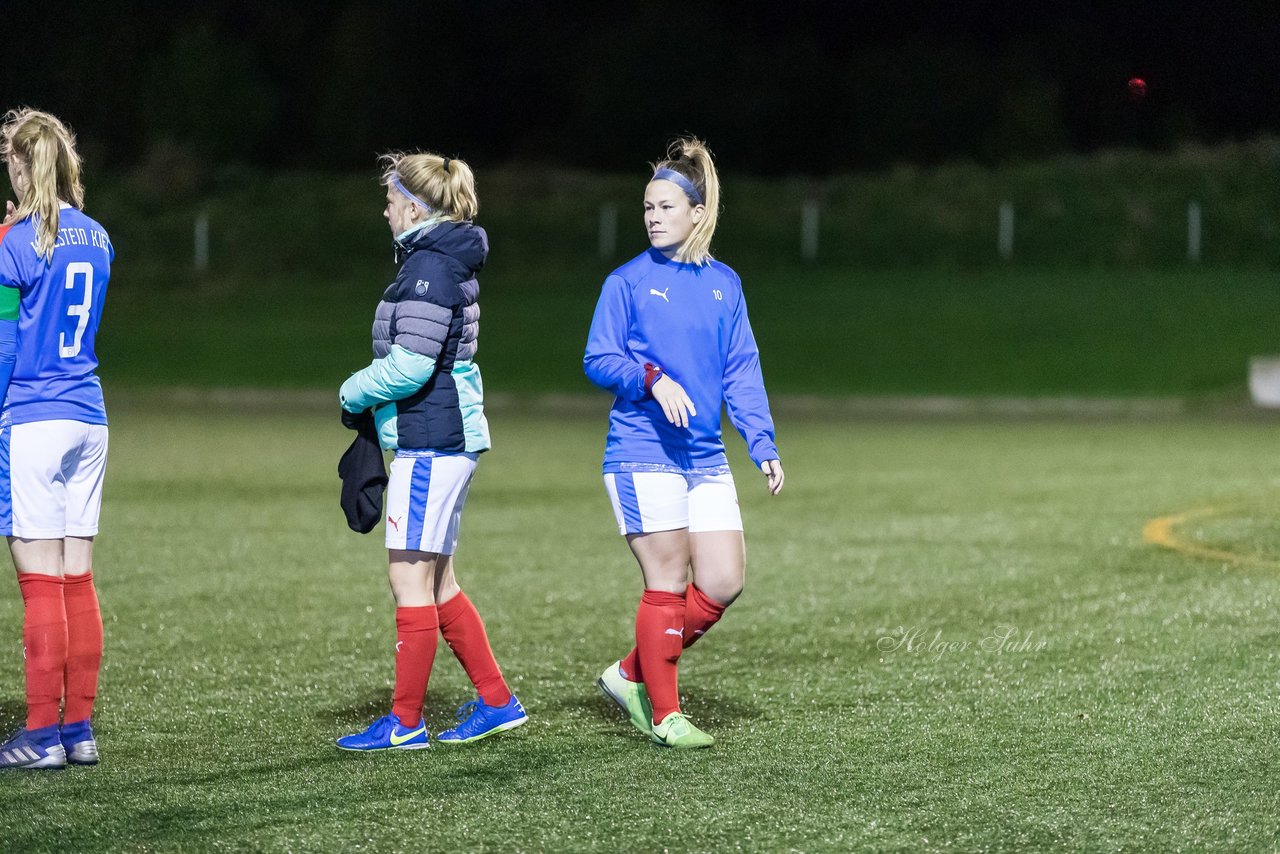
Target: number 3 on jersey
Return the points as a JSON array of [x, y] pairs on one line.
[[79, 311]]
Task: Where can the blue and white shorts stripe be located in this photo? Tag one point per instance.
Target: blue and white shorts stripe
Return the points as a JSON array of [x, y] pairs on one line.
[[649, 501], [51, 476], [425, 495]]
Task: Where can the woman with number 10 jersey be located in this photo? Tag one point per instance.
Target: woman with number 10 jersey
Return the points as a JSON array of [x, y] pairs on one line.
[[54, 266], [671, 340]]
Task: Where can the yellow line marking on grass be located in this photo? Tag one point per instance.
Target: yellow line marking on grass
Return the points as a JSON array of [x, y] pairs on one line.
[[1161, 532]]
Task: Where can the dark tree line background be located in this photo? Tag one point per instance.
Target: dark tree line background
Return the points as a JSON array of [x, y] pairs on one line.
[[796, 87]]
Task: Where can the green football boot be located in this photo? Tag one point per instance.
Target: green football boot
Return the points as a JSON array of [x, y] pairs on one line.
[[677, 731], [631, 696]]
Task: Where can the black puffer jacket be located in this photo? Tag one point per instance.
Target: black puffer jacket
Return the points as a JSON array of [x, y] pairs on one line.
[[424, 384]]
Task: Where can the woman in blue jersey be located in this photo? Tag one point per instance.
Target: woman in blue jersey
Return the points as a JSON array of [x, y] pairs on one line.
[[54, 266], [424, 391], [670, 338]]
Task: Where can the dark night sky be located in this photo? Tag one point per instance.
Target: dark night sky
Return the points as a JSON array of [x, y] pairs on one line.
[[804, 87]]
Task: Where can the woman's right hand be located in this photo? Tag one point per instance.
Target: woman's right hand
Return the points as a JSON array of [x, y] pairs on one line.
[[674, 401]]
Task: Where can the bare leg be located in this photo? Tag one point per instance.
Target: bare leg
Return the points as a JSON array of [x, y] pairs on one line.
[[719, 564], [664, 559], [77, 555], [40, 557], [412, 575], [444, 585]]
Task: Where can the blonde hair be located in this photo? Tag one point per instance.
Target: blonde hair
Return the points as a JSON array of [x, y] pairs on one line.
[[691, 158], [46, 153], [446, 184]]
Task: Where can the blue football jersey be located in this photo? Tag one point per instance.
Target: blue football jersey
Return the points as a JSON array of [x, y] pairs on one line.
[[690, 320], [61, 304]]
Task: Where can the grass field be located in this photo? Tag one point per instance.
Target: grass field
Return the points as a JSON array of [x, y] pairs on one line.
[[953, 638], [822, 331], [907, 297]]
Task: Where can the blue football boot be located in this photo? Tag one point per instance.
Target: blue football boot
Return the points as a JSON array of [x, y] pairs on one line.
[[79, 743], [37, 749], [386, 734], [479, 721]]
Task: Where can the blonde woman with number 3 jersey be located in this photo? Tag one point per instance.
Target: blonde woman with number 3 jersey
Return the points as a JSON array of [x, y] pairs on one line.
[[671, 340], [424, 390], [54, 266]]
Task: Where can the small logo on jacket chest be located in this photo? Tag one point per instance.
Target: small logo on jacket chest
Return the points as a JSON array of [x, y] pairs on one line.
[[421, 288], [657, 293]]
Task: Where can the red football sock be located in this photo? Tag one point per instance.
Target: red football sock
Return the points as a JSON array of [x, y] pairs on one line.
[[84, 646], [701, 612], [659, 631], [630, 666], [415, 653], [464, 632], [44, 641]]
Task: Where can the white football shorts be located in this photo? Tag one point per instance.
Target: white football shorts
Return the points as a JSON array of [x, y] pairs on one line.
[[51, 479], [425, 494], [649, 501]]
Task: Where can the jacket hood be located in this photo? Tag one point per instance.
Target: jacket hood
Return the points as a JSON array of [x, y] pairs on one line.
[[465, 242]]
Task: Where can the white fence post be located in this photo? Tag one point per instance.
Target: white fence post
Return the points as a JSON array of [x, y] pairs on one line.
[[1004, 234], [1193, 231], [608, 230], [809, 231], [202, 243]]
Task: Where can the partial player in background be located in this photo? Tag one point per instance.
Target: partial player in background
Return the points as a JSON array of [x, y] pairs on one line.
[[425, 392], [54, 266], [670, 338]]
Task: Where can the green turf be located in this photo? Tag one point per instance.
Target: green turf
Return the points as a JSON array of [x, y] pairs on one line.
[[1244, 530], [907, 295], [820, 331], [246, 628]]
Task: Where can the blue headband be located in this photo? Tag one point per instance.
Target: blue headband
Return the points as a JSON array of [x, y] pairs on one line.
[[395, 182], [680, 181]]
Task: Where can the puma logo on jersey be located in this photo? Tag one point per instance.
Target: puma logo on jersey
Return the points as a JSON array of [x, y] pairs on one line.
[[393, 523], [657, 293], [677, 632]]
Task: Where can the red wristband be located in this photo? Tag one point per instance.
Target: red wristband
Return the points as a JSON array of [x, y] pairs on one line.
[[651, 374]]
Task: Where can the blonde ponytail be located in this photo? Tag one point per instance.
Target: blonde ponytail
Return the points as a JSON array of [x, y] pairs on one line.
[[445, 184], [691, 158], [45, 150]]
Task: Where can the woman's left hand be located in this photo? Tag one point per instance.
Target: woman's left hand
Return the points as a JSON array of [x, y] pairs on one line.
[[674, 401], [773, 471], [9, 212]]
